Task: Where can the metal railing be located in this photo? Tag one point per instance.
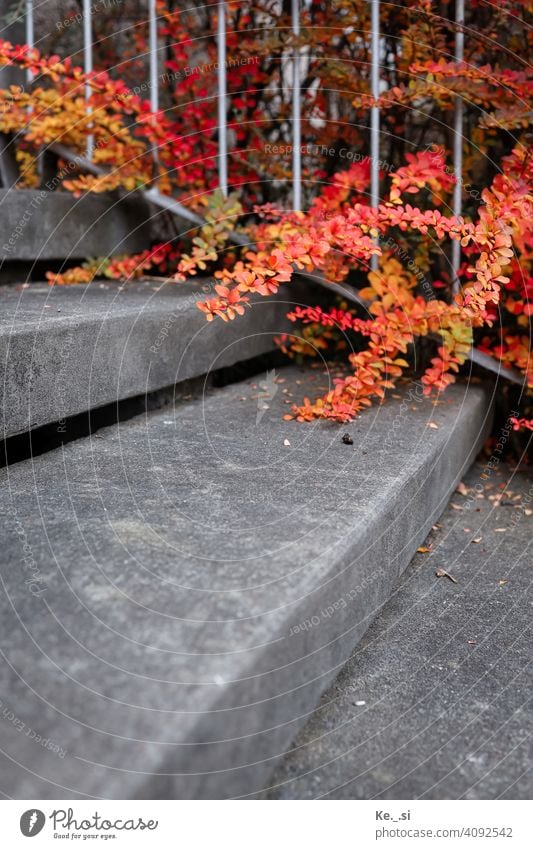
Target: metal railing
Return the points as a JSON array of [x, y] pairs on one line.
[[223, 152], [174, 206]]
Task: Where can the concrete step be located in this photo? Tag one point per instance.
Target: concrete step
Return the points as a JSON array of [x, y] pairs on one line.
[[179, 590], [435, 702], [65, 350], [39, 224]]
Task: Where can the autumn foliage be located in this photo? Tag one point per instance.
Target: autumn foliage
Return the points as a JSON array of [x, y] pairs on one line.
[[410, 293]]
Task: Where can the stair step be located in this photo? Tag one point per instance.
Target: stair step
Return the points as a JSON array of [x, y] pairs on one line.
[[179, 590], [68, 349], [435, 701], [38, 224]]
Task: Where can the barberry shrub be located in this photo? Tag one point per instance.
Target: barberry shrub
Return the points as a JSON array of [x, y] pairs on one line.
[[410, 294]]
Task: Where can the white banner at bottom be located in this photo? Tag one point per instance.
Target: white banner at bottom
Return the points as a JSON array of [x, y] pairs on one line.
[[267, 824]]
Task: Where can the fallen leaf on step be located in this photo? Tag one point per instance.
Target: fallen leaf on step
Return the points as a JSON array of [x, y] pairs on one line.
[[442, 573]]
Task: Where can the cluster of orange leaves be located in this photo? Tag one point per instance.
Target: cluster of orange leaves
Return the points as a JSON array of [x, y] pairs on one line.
[[124, 130], [521, 423], [480, 85], [127, 267], [340, 231], [397, 315]]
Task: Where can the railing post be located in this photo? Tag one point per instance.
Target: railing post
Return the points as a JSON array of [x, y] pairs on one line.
[[30, 34], [296, 112], [222, 101], [374, 113], [152, 46], [153, 81], [88, 66], [458, 143]]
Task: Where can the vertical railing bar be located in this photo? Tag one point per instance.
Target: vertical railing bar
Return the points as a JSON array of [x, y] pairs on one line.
[[374, 112], [153, 64], [458, 143], [88, 67], [152, 46], [296, 112], [222, 102], [30, 34]]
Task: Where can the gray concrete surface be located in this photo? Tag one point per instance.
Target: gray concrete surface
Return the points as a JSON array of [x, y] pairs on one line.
[[435, 703], [52, 225], [64, 350], [178, 591]]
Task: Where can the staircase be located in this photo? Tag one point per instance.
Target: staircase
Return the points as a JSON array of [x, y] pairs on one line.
[[184, 578]]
